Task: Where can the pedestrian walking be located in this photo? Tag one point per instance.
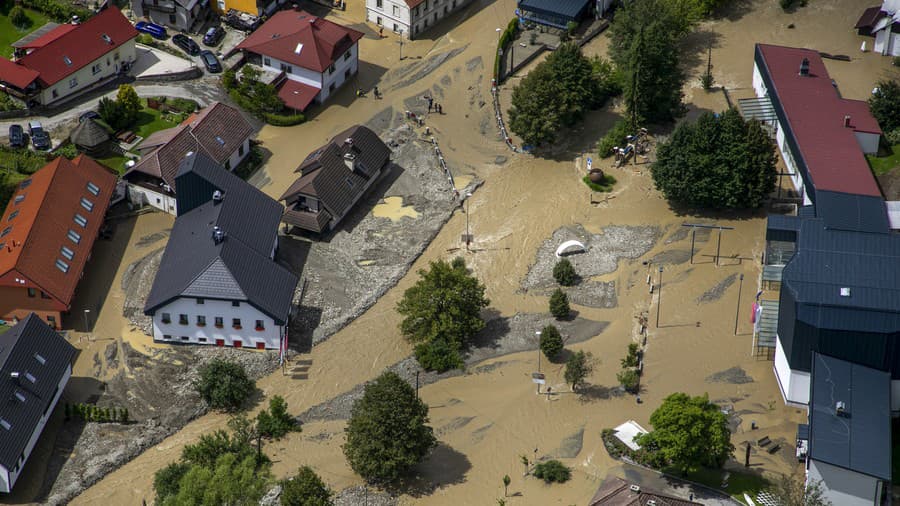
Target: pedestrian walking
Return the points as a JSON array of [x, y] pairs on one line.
[[440, 109], [430, 103], [381, 32]]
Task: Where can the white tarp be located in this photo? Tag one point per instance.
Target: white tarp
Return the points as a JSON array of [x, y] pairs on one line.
[[626, 433], [569, 245], [893, 212]]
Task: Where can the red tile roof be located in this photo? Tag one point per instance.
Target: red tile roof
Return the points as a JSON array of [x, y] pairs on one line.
[[297, 95], [35, 228], [816, 113], [299, 38], [80, 46], [412, 4], [49, 37], [15, 74]]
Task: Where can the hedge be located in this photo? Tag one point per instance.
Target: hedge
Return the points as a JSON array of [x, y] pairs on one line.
[[506, 38], [57, 10], [283, 120]]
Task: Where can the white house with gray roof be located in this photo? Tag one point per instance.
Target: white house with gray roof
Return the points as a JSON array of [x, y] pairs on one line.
[[218, 282]]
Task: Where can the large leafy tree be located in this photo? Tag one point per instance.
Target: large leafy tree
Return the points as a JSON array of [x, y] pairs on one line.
[[305, 489], [689, 433], [578, 368], [442, 312], [276, 422], [224, 385], [129, 102], [719, 161], [230, 481], [796, 491], [644, 47], [885, 105], [387, 433]]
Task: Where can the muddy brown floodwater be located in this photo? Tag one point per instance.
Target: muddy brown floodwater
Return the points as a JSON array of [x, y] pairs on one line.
[[486, 419]]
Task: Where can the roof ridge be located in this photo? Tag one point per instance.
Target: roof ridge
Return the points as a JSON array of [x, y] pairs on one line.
[[37, 213]]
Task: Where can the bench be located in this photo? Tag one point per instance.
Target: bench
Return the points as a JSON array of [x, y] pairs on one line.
[[764, 442], [126, 136]]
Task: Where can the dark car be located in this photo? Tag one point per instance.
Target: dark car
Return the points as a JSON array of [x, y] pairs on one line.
[[211, 62], [39, 138], [213, 36], [86, 115], [157, 31], [187, 44], [16, 136]]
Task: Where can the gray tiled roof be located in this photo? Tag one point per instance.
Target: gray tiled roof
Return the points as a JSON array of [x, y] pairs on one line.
[[235, 268], [19, 348]]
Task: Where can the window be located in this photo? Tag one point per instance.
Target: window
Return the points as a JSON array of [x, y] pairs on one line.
[[41, 360], [74, 236], [167, 336], [259, 325], [66, 252], [6, 231], [51, 320], [30, 377], [182, 319], [236, 323], [67, 60], [396, 27], [286, 68], [331, 69], [12, 215], [172, 18], [236, 303], [54, 93], [347, 54], [81, 220], [87, 204], [5, 424], [379, 4], [166, 318], [396, 11], [32, 292], [24, 184], [201, 321], [94, 189], [201, 339], [219, 322], [19, 198], [44, 295], [73, 82], [20, 396], [62, 265], [267, 61], [96, 68], [331, 87], [116, 56], [349, 182], [200, 301], [241, 150], [378, 21], [185, 338], [347, 74]]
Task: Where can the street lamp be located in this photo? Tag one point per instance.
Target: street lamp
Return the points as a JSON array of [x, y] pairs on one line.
[[401, 43], [87, 327], [737, 310], [659, 296], [468, 237], [538, 334]]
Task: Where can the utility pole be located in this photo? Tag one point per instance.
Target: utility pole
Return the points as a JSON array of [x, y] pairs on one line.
[[737, 310], [417, 385], [659, 297], [401, 45]]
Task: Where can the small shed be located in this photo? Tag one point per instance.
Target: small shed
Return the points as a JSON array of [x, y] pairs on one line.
[[90, 136]]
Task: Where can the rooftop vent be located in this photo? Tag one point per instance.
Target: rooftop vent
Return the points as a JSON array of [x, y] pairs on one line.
[[636, 489], [76, 20], [348, 140], [220, 140], [804, 67], [218, 235], [218, 197], [312, 20], [847, 121], [189, 153], [845, 291], [276, 35], [651, 502], [350, 160], [106, 38], [67, 60], [840, 408], [14, 375], [298, 48]]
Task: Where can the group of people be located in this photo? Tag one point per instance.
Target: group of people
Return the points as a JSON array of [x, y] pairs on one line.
[[432, 106]]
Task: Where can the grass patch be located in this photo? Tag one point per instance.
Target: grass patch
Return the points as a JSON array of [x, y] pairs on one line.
[[738, 483], [115, 162], [10, 33], [150, 120], [604, 186], [881, 165]]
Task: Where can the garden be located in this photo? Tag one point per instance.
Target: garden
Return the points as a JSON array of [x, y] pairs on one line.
[[15, 23]]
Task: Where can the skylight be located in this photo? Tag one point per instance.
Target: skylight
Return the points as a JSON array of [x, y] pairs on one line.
[[12, 215], [24, 184], [106, 38], [20, 396], [87, 204], [30, 377], [6, 231], [81, 220], [66, 252], [39, 358], [61, 265], [67, 60], [94, 189], [298, 48], [220, 140], [74, 236], [19, 198], [5, 424]]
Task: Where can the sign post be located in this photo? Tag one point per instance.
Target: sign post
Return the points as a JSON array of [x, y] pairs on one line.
[[590, 164], [539, 379]]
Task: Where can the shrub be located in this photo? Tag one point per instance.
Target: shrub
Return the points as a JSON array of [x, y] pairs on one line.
[[59, 11], [438, 355], [129, 103], [629, 379], [276, 421], [896, 61], [605, 186], [166, 480], [305, 489], [552, 471], [559, 304], [19, 18], [184, 105], [564, 272], [145, 39], [885, 104], [893, 137], [8, 103], [283, 120], [616, 136], [578, 368], [631, 359], [224, 385], [67, 150], [229, 79], [551, 342]]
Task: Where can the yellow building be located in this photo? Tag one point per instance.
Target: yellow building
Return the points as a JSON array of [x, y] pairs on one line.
[[252, 7]]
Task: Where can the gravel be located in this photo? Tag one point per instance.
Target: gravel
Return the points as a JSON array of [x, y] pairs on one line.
[[418, 70], [715, 293], [735, 376], [360, 495], [136, 283], [601, 256]]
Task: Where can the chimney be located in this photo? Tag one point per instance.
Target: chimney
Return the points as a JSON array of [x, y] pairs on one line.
[[350, 161], [14, 375], [217, 197], [218, 235], [804, 67], [847, 121], [840, 408], [636, 489]]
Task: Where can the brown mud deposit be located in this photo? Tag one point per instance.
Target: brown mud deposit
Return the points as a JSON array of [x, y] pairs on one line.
[[524, 200]]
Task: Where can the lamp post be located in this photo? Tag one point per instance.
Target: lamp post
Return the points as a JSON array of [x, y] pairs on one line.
[[468, 237], [659, 296], [87, 327], [737, 310], [401, 43], [538, 334]]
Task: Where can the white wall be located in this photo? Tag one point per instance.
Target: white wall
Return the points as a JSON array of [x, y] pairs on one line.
[[895, 395], [887, 43], [13, 476], [867, 142], [392, 13], [236, 157], [85, 76], [158, 200], [337, 77], [758, 86], [248, 314], [842, 486], [299, 74], [794, 385]]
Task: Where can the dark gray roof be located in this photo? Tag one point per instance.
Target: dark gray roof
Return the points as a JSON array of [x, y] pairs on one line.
[[20, 347], [326, 176], [860, 439], [238, 267], [565, 8], [845, 211], [89, 134], [803, 431]]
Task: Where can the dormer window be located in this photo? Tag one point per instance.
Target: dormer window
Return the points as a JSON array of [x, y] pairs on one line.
[[67, 60], [94, 189], [87, 204]]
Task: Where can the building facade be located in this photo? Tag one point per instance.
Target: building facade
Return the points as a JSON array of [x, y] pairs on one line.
[[226, 322], [410, 17], [182, 15]]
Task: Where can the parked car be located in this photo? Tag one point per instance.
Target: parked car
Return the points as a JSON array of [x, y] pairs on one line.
[[16, 136], [86, 115], [242, 21], [157, 31], [211, 62], [187, 44], [39, 138], [213, 36]]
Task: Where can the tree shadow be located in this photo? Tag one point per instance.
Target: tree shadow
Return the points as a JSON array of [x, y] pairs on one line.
[[444, 466], [593, 393], [682, 210], [496, 326], [695, 46], [304, 323]]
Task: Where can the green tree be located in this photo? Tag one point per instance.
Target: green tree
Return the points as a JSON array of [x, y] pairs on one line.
[[166, 481], [564, 272], [629, 379], [442, 312], [276, 421], [631, 359], [644, 47], [885, 105], [305, 489], [231, 481], [211, 446], [552, 471], [111, 113], [129, 102], [551, 342], [559, 304], [506, 482], [387, 433], [224, 385], [719, 161], [19, 18], [689, 433], [578, 368], [796, 491]]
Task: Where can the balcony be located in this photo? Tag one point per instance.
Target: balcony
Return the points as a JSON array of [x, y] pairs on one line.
[[156, 5]]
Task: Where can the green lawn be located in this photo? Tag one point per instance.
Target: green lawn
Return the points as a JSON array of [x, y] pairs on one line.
[[10, 33], [738, 483], [115, 162], [881, 165], [151, 120]]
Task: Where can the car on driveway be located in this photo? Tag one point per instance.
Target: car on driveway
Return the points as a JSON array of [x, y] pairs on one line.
[[39, 138], [157, 31], [213, 36], [211, 62], [187, 44], [16, 136]]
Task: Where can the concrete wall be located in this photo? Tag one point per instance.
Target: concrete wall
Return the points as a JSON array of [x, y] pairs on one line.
[[895, 396], [867, 142], [13, 476], [394, 14], [340, 75], [140, 195], [247, 334], [842, 486], [794, 385], [412, 21], [108, 66]]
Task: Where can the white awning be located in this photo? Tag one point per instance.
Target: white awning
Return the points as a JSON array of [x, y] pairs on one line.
[[569, 246], [627, 432]]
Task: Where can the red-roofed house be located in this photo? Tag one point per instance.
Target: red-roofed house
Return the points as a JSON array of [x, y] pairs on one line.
[[410, 17], [315, 55], [823, 138], [48, 231], [69, 59]]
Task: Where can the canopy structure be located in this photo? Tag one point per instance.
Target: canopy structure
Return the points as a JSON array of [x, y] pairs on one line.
[[569, 247]]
